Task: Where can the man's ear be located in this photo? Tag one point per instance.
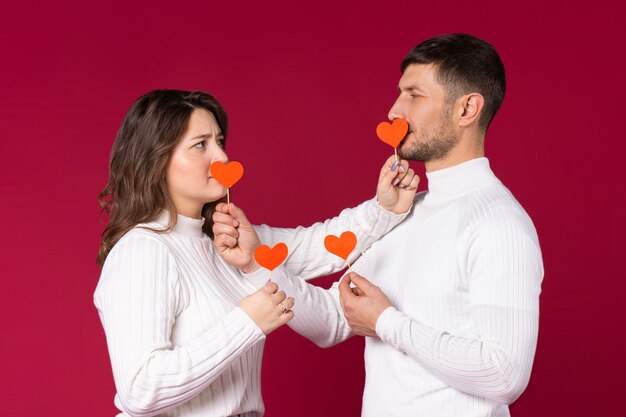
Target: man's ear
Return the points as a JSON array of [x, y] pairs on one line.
[[471, 106]]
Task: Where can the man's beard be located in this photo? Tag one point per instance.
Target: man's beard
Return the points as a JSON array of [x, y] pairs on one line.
[[433, 144]]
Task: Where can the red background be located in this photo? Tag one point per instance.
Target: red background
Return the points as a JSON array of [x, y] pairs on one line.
[[305, 86]]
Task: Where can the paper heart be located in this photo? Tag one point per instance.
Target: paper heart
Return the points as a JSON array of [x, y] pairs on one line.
[[227, 174], [270, 258], [341, 246], [392, 134]]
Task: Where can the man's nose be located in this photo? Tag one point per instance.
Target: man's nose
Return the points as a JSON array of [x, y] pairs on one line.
[[395, 112]]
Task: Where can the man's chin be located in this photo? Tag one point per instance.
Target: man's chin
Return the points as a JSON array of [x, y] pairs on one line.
[[405, 152]]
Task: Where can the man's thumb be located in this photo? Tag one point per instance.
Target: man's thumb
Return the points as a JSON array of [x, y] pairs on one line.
[[238, 214]]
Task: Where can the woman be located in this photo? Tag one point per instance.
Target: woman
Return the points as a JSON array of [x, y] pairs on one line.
[[185, 330]]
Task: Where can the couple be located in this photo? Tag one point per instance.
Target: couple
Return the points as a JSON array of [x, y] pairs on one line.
[[446, 290]]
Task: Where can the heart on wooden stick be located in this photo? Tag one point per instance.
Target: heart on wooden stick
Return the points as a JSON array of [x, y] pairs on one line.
[[392, 134], [341, 246], [270, 258], [227, 174]]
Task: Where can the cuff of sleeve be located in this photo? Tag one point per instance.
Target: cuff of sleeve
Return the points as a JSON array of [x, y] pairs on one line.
[[282, 278], [386, 323], [248, 324], [258, 278], [400, 331], [381, 210]]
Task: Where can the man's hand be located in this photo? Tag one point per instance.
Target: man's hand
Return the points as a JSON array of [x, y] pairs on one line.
[[234, 237], [363, 304], [396, 187]]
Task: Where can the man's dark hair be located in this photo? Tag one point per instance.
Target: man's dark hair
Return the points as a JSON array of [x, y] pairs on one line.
[[464, 64]]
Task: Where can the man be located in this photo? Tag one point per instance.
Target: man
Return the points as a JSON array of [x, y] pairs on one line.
[[450, 305]]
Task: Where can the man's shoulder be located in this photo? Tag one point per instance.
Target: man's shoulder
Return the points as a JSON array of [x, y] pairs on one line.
[[495, 206], [492, 199]]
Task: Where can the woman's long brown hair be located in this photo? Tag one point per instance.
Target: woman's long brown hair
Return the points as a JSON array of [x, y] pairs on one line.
[[136, 191]]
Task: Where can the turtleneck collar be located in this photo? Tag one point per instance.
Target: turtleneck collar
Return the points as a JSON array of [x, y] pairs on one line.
[[450, 183], [184, 225]]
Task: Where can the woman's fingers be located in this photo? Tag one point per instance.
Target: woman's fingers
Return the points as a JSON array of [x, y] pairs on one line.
[[279, 296], [289, 303], [407, 181], [402, 171]]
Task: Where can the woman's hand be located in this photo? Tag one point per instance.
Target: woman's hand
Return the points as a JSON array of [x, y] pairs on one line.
[[234, 237], [268, 307], [396, 186]]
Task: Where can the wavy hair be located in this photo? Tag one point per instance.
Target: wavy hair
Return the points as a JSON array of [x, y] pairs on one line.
[[136, 191]]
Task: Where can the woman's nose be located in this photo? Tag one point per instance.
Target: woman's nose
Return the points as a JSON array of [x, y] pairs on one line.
[[219, 155]]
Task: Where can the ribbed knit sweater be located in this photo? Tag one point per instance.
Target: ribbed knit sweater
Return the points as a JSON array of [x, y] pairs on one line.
[[463, 273], [178, 342]]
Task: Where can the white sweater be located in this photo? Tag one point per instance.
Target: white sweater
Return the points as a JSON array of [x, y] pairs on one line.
[[463, 273], [178, 343]]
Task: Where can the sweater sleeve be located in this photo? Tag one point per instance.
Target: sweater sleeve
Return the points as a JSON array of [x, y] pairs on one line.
[[505, 273], [318, 315], [137, 298], [308, 258]]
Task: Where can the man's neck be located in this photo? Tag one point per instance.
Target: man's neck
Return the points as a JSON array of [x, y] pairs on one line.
[[465, 150]]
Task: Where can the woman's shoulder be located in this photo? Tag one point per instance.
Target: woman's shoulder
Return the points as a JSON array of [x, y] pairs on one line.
[[138, 258], [144, 233], [140, 241]]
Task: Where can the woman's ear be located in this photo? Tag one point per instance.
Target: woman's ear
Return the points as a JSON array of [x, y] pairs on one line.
[[471, 105]]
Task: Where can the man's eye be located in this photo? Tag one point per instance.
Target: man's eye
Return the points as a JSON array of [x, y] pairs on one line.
[[200, 144]]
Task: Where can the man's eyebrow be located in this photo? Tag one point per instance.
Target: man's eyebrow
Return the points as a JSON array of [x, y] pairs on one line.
[[413, 87]]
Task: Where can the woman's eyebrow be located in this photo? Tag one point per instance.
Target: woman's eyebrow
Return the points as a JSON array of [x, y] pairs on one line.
[[203, 136], [207, 136]]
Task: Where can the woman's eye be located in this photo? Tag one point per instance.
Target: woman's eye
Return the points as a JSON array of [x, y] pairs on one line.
[[200, 145], [221, 143]]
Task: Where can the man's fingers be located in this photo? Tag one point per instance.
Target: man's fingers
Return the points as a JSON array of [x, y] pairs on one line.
[[221, 208], [224, 229], [219, 217], [363, 284], [238, 214], [344, 287], [357, 291], [226, 240]]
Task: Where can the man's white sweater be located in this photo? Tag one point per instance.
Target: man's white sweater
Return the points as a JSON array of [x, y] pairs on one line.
[[463, 273]]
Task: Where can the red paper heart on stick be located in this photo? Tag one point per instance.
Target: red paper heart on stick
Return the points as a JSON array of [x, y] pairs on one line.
[[341, 246], [392, 134], [270, 258], [227, 174]]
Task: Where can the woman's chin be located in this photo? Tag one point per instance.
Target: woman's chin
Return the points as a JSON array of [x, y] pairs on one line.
[[216, 196]]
